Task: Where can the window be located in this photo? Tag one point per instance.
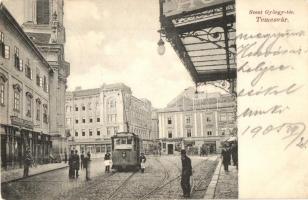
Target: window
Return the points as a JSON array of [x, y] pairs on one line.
[[111, 103], [18, 62], [16, 100], [2, 93], [89, 106], [42, 12], [39, 79], [45, 113], [76, 133], [38, 109], [90, 120], [28, 104], [169, 120], [45, 84], [76, 121], [2, 44], [98, 132], [223, 117], [83, 108], [76, 108], [209, 133], [108, 131], [223, 133], [208, 119], [28, 70], [169, 134], [115, 129], [83, 133], [90, 132], [68, 121], [187, 119], [98, 119], [6, 51], [188, 131], [83, 120]]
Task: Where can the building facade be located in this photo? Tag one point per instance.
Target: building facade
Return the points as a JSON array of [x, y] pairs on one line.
[[24, 96], [195, 121], [42, 20], [94, 115]]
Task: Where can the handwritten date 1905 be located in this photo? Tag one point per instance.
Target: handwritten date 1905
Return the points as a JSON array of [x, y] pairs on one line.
[[290, 131]]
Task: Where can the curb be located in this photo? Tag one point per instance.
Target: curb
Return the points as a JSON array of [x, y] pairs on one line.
[[31, 175], [210, 192]]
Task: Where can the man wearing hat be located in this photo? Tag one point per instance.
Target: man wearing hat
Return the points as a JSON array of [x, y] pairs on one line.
[[186, 173], [27, 162]]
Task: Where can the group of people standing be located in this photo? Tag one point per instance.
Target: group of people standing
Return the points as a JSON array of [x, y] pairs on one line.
[[77, 162], [227, 153]]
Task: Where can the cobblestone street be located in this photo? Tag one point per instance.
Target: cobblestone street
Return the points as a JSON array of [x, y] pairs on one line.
[[160, 180]]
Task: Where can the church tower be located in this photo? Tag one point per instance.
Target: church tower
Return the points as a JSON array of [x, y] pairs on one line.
[[43, 23]]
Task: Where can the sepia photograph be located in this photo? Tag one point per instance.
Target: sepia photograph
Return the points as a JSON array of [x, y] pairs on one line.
[[122, 99]]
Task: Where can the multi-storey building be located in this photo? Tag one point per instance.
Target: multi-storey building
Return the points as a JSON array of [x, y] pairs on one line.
[[42, 20], [94, 115], [196, 120], [24, 95]]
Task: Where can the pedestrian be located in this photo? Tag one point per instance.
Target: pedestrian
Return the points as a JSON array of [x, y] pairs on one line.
[[87, 161], [76, 163], [27, 162], [225, 154], [107, 162], [82, 160], [234, 154], [142, 162], [71, 172], [186, 173]]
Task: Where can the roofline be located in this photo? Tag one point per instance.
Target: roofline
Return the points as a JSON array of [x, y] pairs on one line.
[[15, 24]]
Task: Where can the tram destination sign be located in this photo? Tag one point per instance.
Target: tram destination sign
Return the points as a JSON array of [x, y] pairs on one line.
[[175, 7]]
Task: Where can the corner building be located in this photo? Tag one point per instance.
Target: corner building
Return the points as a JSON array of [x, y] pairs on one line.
[[193, 121], [24, 96], [94, 115], [43, 22]]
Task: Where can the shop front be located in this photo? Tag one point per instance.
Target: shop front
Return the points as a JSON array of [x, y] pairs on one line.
[[17, 138]]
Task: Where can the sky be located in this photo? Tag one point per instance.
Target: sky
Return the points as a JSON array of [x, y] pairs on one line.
[[116, 41]]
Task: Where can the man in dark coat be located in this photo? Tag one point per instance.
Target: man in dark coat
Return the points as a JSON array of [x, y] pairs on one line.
[[82, 160], [234, 153], [27, 162], [76, 163], [226, 158], [87, 161], [186, 173], [71, 172]]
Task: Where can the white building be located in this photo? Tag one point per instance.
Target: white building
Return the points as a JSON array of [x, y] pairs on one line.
[[94, 115], [193, 120]]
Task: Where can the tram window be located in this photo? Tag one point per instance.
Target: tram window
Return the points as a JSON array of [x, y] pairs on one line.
[[123, 141], [117, 141], [129, 141]]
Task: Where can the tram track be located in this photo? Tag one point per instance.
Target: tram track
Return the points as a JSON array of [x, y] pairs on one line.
[[163, 183], [121, 186]]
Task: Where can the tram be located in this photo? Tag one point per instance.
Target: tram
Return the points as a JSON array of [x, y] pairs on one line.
[[126, 148]]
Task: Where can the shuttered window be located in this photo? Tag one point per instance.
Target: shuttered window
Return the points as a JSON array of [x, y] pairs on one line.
[[42, 12]]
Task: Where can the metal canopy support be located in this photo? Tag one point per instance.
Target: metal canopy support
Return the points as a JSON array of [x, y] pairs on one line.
[[201, 38]]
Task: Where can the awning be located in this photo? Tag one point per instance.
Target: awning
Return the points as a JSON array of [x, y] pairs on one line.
[[203, 35]]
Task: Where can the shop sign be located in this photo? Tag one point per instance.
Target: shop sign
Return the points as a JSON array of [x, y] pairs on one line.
[[174, 7], [21, 122]]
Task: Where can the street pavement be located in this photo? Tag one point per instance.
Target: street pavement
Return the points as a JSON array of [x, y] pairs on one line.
[[48, 185], [160, 180], [227, 185]]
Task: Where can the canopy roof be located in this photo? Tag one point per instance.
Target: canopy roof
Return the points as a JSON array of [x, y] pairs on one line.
[[203, 35]]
